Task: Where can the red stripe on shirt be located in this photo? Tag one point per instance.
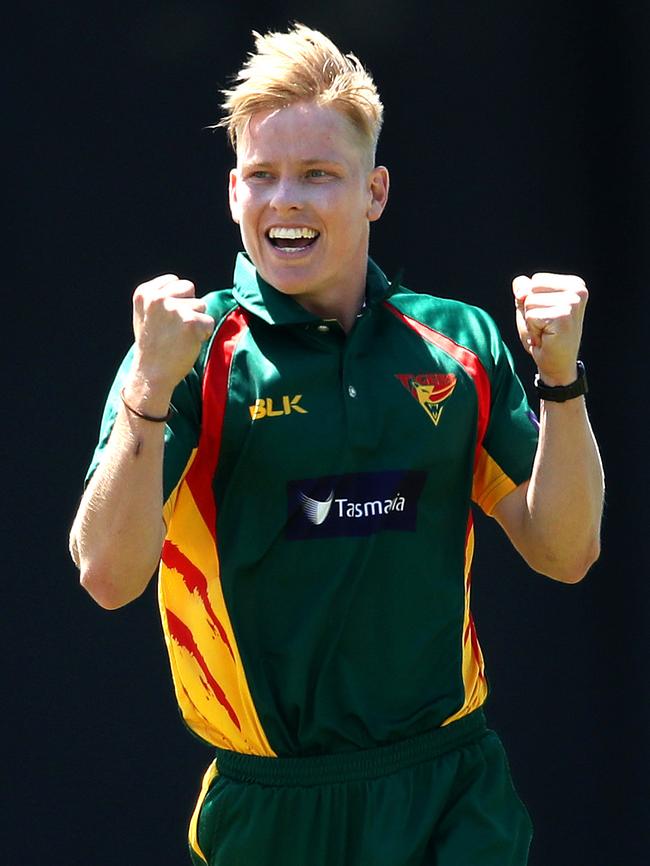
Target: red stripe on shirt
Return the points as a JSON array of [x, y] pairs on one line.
[[468, 528], [195, 581], [200, 475], [470, 362], [184, 638], [470, 631], [468, 569]]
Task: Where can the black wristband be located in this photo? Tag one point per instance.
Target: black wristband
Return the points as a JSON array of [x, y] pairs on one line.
[[561, 393], [158, 419]]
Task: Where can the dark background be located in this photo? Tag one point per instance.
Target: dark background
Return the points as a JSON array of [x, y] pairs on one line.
[[516, 133]]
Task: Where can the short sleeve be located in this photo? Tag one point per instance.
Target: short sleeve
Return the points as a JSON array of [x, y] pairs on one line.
[[505, 458], [181, 431]]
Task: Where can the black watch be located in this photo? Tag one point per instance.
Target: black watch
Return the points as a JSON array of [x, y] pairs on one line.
[[560, 393]]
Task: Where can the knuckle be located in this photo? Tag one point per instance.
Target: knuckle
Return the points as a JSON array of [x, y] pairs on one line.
[[158, 282], [167, 303], [148, 291], [577, 285]]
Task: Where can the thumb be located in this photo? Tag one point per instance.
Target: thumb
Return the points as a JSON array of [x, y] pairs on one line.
[[521, 287], [208, 324]]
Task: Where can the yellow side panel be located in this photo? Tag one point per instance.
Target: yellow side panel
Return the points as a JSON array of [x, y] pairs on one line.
[[209, 678], [474, 681], [210, 774]]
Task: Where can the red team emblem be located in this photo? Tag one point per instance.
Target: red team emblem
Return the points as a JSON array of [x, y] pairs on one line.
[[430, 390]]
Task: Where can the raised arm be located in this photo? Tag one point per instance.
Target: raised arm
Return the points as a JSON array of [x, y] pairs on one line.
[[117, 534], [554, 519]]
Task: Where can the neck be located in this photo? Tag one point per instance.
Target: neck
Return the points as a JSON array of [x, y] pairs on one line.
[[341, 301], [345, 310]]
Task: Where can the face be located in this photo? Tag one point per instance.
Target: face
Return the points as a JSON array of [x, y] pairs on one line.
[[304, 196]]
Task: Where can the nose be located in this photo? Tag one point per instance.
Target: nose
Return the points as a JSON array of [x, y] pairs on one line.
[[286, 195]]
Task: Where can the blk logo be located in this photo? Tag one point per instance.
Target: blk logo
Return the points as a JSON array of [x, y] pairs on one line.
[[264, 408]]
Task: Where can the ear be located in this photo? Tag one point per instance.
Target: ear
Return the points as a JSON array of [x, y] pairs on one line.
[[232, 195], [378, 185]]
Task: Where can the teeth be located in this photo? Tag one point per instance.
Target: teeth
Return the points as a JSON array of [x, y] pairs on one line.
[[291, 234]]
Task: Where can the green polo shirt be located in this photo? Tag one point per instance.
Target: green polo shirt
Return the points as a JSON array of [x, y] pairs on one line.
[[315, 579]]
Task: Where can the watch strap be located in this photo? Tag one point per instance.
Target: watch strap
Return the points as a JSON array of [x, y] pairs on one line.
[[561, 393]]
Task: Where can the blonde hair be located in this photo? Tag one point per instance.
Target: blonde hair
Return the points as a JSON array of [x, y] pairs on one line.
[[302, 65]]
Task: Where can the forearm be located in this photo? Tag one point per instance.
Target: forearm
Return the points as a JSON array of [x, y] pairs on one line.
[[564, 500], [117, 534], [554, 519]]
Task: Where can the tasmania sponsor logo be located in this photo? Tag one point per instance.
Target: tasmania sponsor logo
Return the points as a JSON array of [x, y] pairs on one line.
[[353, 505], [315, 510], [430, 390]]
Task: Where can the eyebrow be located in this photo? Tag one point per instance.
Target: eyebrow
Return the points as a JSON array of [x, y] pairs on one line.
[[302, 162]]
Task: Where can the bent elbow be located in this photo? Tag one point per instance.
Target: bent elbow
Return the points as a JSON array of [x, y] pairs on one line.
[[572, 570], [591, 557], [569, 575], [105, 590]]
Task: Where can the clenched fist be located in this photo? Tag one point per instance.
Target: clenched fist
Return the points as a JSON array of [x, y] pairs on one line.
[[169, 324], [550, 309]]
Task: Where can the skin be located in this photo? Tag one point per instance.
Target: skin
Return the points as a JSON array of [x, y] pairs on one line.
[[306, 166], [117, 535], [554, 519], [311, 168]]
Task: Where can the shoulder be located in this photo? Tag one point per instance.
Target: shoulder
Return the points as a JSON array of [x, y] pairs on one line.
[[466, 325], [219, 304]]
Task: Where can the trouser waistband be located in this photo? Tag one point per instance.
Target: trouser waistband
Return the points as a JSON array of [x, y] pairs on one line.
[[352, 766]]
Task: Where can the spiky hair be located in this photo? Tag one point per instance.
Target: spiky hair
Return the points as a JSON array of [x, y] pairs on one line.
[[302, 65]]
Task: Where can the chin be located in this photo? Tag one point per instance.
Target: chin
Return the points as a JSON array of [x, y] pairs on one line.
[[287, 283]]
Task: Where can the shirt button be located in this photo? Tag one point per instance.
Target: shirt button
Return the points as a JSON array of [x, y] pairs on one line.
[[324, 329], [352, 391]]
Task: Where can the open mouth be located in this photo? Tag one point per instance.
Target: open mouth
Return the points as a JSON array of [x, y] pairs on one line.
[[292, 240]]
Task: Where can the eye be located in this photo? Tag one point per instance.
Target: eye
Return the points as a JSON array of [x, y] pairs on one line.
[[317, 173], [260, 174]]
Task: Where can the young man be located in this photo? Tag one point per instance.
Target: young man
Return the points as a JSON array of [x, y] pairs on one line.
[[308, 499]]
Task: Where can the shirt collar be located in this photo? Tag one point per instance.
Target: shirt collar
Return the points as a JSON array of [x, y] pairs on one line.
[[260, 298]]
